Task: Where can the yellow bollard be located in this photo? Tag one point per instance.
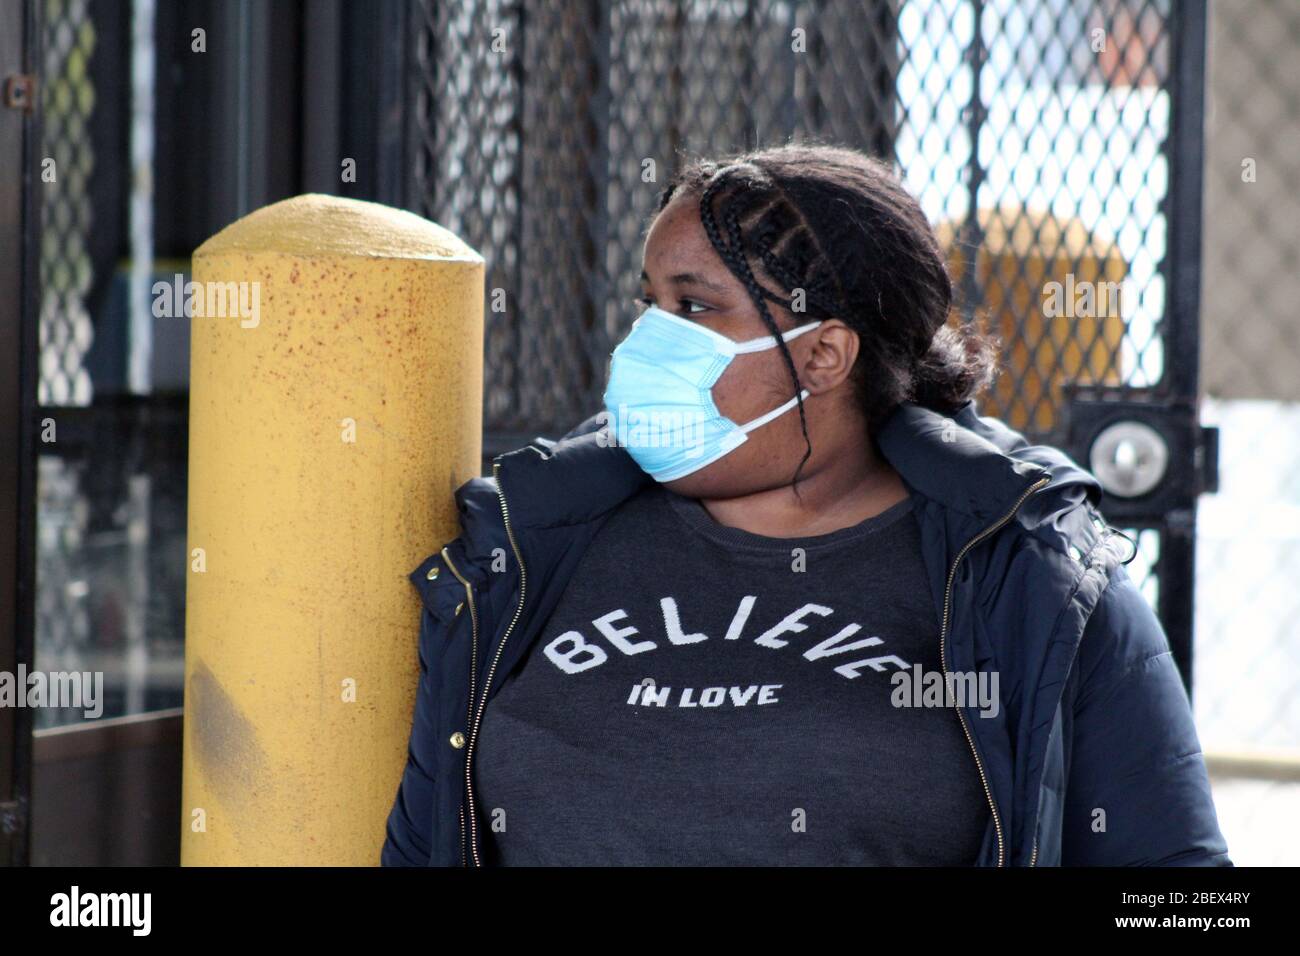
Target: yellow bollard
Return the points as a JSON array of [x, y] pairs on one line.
[[327, 434]]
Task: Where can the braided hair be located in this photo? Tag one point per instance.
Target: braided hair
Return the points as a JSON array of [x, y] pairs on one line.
[[837, 229]]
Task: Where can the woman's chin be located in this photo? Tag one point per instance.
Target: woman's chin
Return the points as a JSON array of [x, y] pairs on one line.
[[722, 479]]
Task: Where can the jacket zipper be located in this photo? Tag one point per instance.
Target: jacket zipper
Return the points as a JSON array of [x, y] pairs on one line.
[[473, 670], [943, 640], [487, 683]]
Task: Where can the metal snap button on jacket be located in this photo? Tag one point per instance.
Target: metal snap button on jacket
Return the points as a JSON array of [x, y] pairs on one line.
[[458, 740]]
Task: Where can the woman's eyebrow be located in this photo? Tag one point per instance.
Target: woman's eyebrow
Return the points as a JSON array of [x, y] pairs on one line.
[[690, 278]]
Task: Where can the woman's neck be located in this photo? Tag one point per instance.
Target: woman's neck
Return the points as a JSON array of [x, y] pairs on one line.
[[845, 490]]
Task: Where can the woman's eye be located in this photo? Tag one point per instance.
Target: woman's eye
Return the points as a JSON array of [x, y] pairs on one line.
[[687, 304]]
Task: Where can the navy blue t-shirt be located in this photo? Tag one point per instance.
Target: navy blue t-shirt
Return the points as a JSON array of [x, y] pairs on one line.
[[705, 695]]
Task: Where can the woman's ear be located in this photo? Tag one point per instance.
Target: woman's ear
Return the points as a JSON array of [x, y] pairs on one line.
[[832, 352]]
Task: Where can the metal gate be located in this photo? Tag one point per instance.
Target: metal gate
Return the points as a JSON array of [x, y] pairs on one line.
[[1056, 145]]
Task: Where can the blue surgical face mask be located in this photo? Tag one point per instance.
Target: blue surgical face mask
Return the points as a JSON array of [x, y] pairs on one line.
[[660, 400]]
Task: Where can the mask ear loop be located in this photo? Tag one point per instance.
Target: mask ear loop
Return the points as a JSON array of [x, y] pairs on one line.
[[779, 410], [725, 345], [769, 341], [785, 406]]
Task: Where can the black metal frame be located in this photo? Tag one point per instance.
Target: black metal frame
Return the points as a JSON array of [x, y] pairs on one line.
[[1171, 405], [20, 50], [1178, 539]]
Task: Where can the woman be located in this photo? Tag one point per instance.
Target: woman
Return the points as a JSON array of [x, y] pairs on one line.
[[789, 598]]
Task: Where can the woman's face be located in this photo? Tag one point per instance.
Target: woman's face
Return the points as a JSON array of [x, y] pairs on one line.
[[683, 274]]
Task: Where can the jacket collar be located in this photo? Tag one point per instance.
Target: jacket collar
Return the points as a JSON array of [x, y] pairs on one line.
[[971, 464], [574, 480]]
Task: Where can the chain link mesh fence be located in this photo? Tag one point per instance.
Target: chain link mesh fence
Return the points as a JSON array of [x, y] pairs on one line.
[[110, 531], [1035, 135], [64, 629], [68, 98]]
